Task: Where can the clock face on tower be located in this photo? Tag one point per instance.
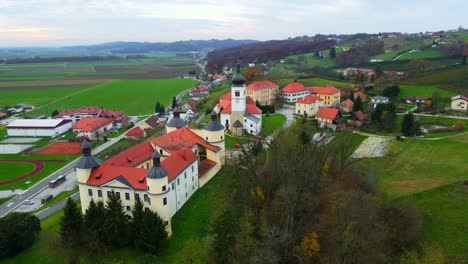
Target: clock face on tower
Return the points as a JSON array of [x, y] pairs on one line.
[[237, 100]]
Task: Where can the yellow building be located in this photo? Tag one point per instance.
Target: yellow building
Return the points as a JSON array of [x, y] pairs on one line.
[[329, 94], [163, 172], [265, 92], [459, 103], [308, 105]]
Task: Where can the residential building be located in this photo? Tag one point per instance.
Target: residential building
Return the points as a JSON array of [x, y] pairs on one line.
[[357, 119], [263, 92], [199, 91], [416, 99], [309, 105], [38, 127], [163, 172], [92, 127], [239, 109], [459, 103], [360, 95], [347, 106], [327, 115], [294, 91], [375, 100], [75, 115], [329, 94], [136, 133]]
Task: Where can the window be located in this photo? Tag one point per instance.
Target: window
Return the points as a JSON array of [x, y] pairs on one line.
[[127, 196], [178, 181], [206, 138], [164, 188], [146, 198], [193, 178], [186, 195], [99, 193], [137, 196], [221, 137], [160, 151], [192, 168], [164, 200], [147, 165], [108, 194], [193, 187], [147, 188], [173, 185], [90, 192], [118, 194], [237, 93], [129, 208], [185, 175]]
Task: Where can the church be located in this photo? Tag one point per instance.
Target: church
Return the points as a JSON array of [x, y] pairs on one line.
[[163, 172], [239, 113]]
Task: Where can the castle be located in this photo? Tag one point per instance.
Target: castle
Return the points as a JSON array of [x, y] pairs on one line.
[[163, 172]]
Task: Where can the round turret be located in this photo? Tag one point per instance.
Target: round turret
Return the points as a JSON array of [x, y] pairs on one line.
[[175, 122], [156, 172], [214, 124]]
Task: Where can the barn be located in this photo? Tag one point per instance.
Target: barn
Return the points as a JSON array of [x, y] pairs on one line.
[[38, 127]]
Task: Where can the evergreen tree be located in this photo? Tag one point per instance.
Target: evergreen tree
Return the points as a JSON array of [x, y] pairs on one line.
[[152, 232], [157, 108], [137, 220], [407, 124], [17, 232], [332, 53], [116, 222], [55, 112], [174, 102], [357, 104], [71, 225], [377, 114], [94, 222], [162, 110]]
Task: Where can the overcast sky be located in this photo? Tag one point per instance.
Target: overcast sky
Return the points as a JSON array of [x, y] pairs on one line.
[[76, 22]]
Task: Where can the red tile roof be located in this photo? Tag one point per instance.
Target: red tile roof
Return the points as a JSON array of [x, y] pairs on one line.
[[104, 173], [309, 99], [96, 111], [90, 124], [348, 104], [132, 156], [258, 85], [327, 113], [361, 95], [225, 103], [205, 166], [360, 115], [135, 132], [178, 161], [181, 138], [328, 89], [294, 87], [152, 121]]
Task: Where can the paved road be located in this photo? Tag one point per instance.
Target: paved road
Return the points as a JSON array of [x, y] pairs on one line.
[[54, 208]]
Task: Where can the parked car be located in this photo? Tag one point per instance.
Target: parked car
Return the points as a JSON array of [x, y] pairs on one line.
[[28, 202]]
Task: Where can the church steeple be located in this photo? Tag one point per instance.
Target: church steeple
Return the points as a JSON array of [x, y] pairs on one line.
[[238, 92]]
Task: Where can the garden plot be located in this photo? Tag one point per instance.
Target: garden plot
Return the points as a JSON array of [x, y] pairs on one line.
[[20, 140], [372, 147], [13, 148]]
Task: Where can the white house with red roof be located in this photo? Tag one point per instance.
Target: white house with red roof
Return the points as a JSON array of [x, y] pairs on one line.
[[459, 103], [309, 105], [327, 115], [163, 172], [294, 91], [239, 112], [93, 127], [77, 114], [199, 91]]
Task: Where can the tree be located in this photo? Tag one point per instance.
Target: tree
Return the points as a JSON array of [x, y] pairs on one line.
[[94, 220], [174, 102], [116, 222], [55, 112], [137, 220], [357, 104], [391, 91], [419, 65], [407, 124], [332, 53], [162, 110], [223, 229], [253, 74], [152, 232], [17, 232], [71, 225], [157, 108]]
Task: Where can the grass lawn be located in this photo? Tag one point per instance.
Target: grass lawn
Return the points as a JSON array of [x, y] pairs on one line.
[[444, 211], [134, 97], [11, 170], [426, 54], [419, 165], [407, 90], [272, 123], [3, 132]]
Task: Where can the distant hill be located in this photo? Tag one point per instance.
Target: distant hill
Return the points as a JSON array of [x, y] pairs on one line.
[[176, 46]]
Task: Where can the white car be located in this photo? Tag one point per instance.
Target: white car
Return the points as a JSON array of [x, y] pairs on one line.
[[28, 202]]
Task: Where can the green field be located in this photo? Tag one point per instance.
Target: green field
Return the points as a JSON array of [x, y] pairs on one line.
[[407, 90], [12, 170], [426, 54], [453, 78], [272, 123], [444, 211], [134, 97]]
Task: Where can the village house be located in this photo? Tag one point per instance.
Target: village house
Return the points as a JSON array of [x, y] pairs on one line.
[[38, 127], [327, 116], [239, 112], [360, 95], [357, 119], [118, 118], [329, 94], [459, 103], [199, 91], [309, 105], [135, 133], [93, 127], [294, 91], [163, 172], [263, 92], [347, 106], [416, 99], [150, 123], [375, 100]]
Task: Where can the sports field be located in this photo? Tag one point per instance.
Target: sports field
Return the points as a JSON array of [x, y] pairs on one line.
[[134, 97], [61, 148]]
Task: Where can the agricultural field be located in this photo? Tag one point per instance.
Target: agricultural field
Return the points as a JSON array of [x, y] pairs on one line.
[[426, 54], [408, 90], [453, 78], [134, 97]]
